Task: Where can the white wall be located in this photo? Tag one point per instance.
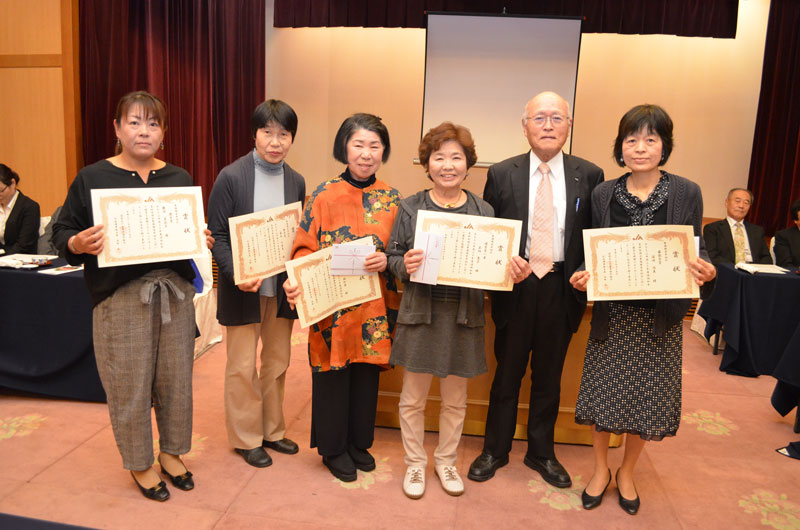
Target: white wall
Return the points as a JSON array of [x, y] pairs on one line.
[[710, 87]]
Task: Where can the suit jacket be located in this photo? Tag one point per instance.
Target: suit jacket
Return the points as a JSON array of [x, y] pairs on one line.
[[507, 190], [22, 227], [684, 207], [719, 242], [787, 247], [232, 195]]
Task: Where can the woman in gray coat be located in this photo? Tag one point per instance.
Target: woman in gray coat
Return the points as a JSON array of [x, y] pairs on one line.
[[631, 379]]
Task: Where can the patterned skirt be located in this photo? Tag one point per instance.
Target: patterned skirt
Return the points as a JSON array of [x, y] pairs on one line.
[[631, 381]]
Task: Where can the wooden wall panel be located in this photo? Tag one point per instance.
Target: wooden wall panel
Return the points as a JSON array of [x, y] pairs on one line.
[[29, 27], [32, 135]]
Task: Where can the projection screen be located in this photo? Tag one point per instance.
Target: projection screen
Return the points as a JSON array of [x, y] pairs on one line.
[[481, 70]]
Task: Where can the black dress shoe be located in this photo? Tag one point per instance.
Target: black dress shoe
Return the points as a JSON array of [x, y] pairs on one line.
[[184, 481], [550, 469], [158, 492], [341, 466], [593, 501], [630, 506], [484, 466], [285, 446], [256, 457], [361, 458]]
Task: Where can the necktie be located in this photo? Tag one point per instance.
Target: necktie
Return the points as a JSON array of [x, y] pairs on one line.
[[738, 243], [541, 247]]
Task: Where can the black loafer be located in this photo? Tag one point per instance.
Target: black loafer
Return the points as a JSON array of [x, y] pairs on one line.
[[341, 466], [361, 458], [158, 493], [256, 457], [630, 506], [484, 466], [184, 482], [593, 501], [550, 469], [285, 446]]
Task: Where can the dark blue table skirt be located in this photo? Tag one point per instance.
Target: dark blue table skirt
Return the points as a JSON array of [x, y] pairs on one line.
[[46, 335]]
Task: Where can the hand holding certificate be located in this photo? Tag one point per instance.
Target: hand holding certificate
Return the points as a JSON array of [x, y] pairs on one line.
[[640, 262], [476, 250], [146, 225], [321, 293], [261, 242]]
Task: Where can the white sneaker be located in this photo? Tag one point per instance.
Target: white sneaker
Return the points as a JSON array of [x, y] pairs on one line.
[[414, 482], [451, 481]]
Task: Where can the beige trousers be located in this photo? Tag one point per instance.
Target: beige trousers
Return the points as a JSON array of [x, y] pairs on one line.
[[254, 396], [451, 417]]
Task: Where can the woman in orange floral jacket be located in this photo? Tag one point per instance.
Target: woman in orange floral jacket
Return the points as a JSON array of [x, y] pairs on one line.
[[347, 349]]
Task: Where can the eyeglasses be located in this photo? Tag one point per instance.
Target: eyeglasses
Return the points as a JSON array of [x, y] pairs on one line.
[[539, 120], [4, 189]]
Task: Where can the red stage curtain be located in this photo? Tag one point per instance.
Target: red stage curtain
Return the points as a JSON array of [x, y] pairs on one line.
[[687, 18], [775, 162], [204, 58]]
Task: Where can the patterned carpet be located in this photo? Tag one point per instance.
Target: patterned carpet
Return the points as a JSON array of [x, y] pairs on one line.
[[59, 463]]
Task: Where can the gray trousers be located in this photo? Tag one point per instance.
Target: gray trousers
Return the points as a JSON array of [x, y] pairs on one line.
[[144, 346]]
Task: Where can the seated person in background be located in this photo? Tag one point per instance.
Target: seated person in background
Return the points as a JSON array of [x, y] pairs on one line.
[[787, 242], [732, 240], [19, 216]]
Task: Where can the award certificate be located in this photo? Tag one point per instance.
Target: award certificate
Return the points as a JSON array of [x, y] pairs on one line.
[[477, 250], [148, 225], [640, 262], [261, 242], [322, 293]]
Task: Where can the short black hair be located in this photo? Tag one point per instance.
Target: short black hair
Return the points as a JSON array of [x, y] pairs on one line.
[[370, 122], [794, 209], [277, 111], [652, 118], [7, 175]]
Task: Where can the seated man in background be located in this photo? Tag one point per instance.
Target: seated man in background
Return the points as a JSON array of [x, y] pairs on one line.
[[787, 242], [19, 216], [732, 240]]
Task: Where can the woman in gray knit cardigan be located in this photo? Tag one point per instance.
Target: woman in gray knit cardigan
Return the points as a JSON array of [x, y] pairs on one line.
[[631, 379]]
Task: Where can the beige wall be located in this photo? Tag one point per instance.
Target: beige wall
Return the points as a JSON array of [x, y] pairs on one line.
[[709, 86], [40, 136]]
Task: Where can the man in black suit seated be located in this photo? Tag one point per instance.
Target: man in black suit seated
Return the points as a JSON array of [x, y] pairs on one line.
[[551, 193], [733, 240], [787, 242]]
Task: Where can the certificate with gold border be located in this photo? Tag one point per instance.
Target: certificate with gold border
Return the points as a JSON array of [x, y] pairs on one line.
[[477, 250], [261, 242], [640, 262], [148, 225], [323, 294]]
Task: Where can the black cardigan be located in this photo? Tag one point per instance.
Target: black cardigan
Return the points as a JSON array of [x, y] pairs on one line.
[[231, 196], [22, 227], [684, 207]]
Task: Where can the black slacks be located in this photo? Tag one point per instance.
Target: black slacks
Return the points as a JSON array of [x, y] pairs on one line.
[[537, 330], [343, 405]]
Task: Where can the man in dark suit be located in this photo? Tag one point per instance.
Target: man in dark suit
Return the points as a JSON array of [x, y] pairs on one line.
[[721, 236], [787, 242], [550, 192], [19, 216]]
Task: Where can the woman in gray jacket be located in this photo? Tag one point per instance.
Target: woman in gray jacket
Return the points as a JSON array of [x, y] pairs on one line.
[[631, 381], [439, 328]]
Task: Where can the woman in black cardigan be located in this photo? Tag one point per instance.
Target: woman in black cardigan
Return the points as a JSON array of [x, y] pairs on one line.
[[19, 216], [631, 381]]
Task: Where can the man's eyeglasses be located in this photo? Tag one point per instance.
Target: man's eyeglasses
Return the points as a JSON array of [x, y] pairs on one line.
[[539, 120]]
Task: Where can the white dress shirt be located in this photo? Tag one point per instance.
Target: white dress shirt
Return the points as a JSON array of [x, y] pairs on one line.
[[4, 214], [558, 181]]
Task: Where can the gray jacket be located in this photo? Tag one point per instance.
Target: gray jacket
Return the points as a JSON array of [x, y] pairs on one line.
[[415, 306]]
